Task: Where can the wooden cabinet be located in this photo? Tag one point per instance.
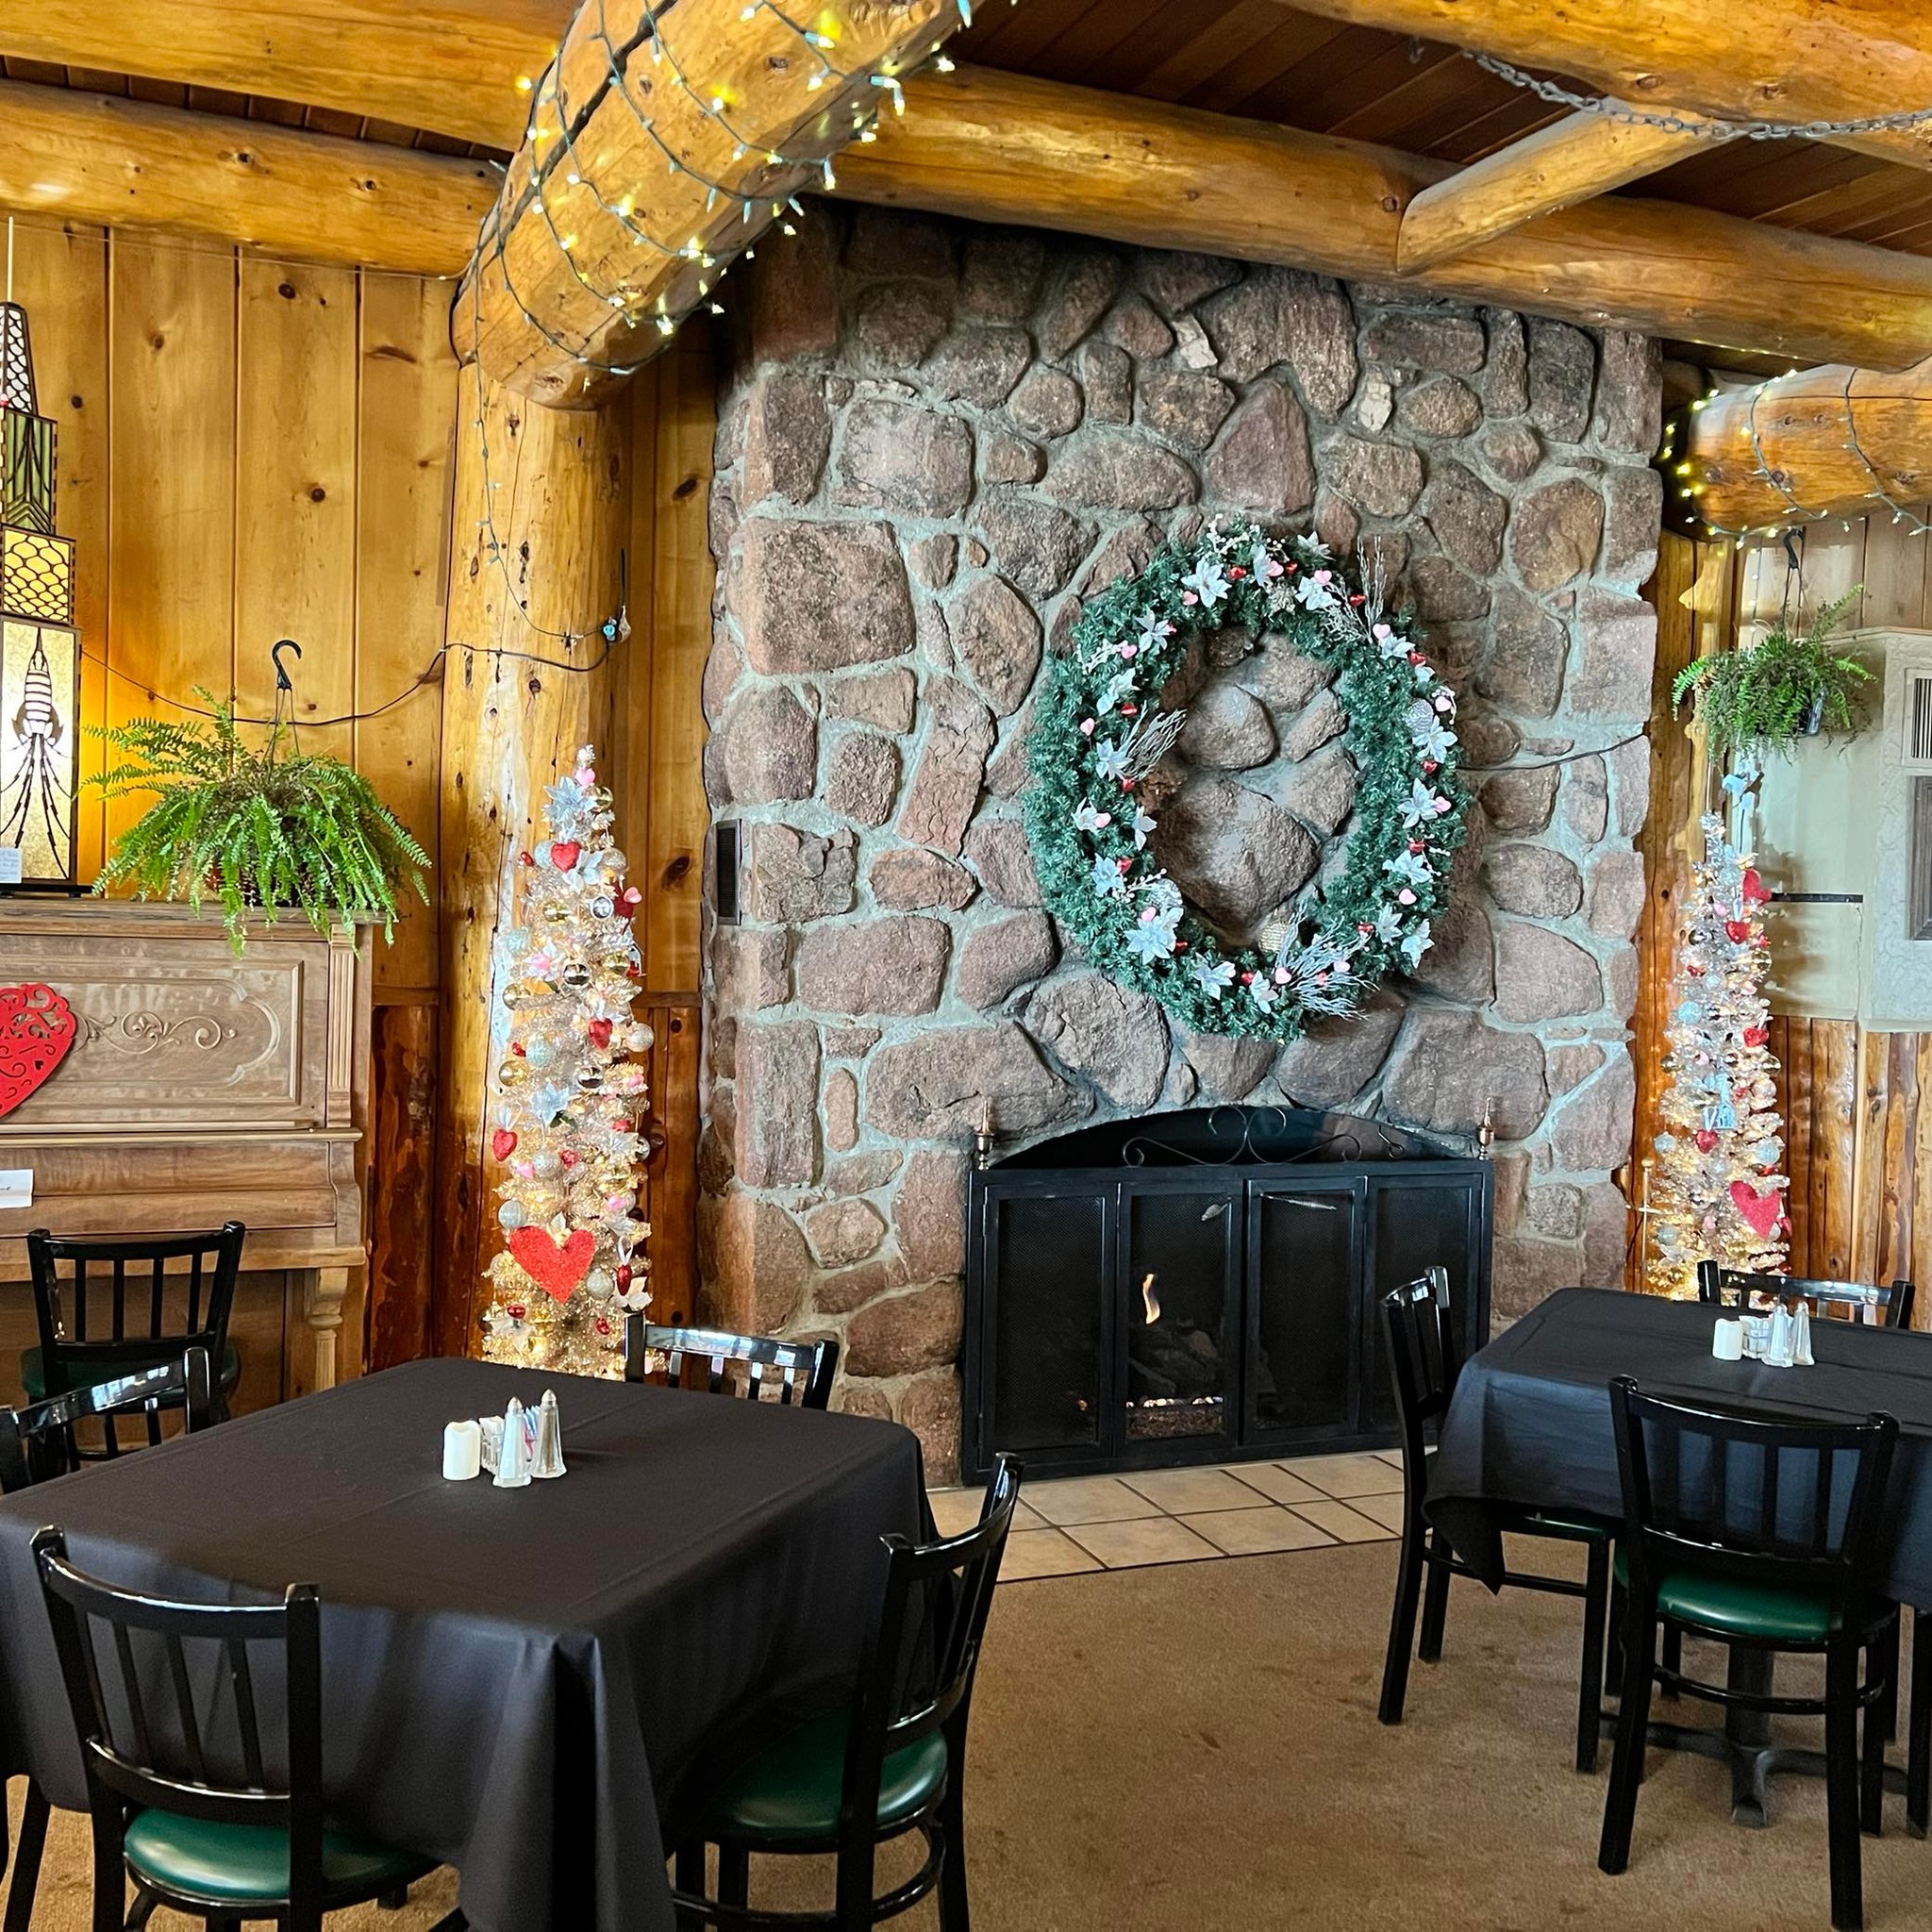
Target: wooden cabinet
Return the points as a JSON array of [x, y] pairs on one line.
[[202, 1085]]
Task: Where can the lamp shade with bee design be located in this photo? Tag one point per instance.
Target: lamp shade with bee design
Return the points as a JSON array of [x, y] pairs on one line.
[[40, 648]]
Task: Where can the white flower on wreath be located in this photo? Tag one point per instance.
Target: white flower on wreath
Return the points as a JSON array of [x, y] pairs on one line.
[[1265, 565], [1143, 828], [1205, 582], [1111, 758], [1154, 631], [1422, 806], [1388, 643], [1164, 896], [1086, 819], [1122, 684], [1213, 976], [1261, 991], [1416, 944], [1412, 868], [1110, 882], [1433, 741], [1151, 937], [1388, 926], [1312, 592]]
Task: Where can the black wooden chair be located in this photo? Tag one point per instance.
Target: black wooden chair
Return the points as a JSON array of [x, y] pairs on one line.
[[796, 1370], [891, 1763], [1883, 1305], [1425, 1361], [1760, 1534], [107, 1307], [183, 1793], [38, 1443]]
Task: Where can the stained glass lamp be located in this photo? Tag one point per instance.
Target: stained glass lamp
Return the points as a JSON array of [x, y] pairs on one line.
[[40, 648]]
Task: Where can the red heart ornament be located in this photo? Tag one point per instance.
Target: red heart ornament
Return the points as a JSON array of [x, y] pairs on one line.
[[1757, 1036], [600, 1032], [1737, 930], [1706, 1139], [37, 1026], [564, 854], [1755, 891], [557, 1270], [503, 1143], [1761, 1211]]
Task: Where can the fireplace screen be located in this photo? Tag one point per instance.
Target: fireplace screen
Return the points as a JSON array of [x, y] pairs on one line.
[[1204, 1285]]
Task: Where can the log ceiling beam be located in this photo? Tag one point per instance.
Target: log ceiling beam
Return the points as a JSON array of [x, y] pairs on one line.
[[100, 157], [998, 147], [1832, 442], [1734, 59], [449, 66], [1576, 160], [652, 159]]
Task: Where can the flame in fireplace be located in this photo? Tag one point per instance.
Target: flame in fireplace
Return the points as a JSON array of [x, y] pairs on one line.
[[1150, 1301]]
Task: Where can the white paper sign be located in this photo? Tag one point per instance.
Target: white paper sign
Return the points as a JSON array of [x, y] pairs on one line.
[[16, 1187], [10, 865]]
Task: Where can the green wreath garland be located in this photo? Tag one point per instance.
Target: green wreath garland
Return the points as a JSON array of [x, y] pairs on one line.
[[1101, 729]]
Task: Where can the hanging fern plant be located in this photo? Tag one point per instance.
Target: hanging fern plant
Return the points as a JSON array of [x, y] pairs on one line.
[[1763, 698], [256, 828]]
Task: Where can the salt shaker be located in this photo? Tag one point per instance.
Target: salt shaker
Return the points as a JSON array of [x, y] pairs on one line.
[[513, 1461], [1801, 1338]]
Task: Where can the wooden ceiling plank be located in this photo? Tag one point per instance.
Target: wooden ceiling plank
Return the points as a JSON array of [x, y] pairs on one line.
[[1209, 52], [129, 164], [1245, 73], [1434, 92], [1358, 76], [1083, 48], [1127, 66], [1493, 126], [994, 146], [447, 64], [1584, 155]]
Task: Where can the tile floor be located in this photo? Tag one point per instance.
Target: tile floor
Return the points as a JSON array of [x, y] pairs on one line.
[[1187, 1515]]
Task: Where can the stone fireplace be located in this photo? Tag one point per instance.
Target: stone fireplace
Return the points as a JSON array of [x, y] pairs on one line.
[[934, 439]]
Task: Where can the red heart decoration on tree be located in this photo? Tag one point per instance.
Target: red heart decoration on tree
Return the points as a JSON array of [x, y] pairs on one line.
[[1706, 1139], [1762, 1211], [1755, 891], [1757, 1036], [555, 1269], [600, 1032], [564, 854], [37, 1027], [503, 1143], [1737, 930]]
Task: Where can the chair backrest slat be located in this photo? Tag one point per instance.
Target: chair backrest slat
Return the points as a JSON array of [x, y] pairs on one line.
[[242, 1682], [38, 1443], [800, 1370], [1425, 1363], [189, 1292], [1887, 1304]]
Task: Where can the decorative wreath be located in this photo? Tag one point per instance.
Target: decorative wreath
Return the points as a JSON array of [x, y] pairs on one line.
[[1102, 727]]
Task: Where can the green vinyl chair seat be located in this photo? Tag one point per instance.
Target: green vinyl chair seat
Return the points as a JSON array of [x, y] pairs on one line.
[[790, 1791], [33, 1377], [244, 1864], [1734, 1608]]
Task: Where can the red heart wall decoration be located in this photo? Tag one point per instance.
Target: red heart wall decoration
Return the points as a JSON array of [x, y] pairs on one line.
[[555, 1269], [1762, 1211], [37, 1027]]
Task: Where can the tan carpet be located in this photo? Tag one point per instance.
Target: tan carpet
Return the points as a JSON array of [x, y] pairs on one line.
[[1195, 1746]]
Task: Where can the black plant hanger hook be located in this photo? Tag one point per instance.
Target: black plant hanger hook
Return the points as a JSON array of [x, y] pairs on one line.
[[284, 687]]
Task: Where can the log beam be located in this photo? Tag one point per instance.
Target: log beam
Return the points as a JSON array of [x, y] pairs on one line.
[[516, 704], [1735, 60], [450, 66], [1830, 441], [1574, 161], [645, 170], [1000, 147], [301, 197]]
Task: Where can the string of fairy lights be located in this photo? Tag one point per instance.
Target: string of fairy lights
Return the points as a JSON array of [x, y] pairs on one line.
[[550, 133]]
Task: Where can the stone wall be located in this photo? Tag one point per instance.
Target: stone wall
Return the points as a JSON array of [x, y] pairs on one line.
[[934, 439]]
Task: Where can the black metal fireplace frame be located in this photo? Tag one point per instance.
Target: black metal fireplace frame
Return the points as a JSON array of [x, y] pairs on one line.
[[1185, 1153]]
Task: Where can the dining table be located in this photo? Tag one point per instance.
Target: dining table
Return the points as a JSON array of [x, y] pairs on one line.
[[1529, 1425], [533, 1685]]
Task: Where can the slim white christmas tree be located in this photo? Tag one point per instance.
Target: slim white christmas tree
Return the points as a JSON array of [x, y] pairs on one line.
[[569, 1122], [1716, 1187]]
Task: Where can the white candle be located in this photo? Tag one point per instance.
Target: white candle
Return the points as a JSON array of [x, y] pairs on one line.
[[1728, 1341], [462, 1451]]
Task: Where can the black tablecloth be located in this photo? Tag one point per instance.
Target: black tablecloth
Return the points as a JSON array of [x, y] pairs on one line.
[[1529, 1422], [519, 1682]]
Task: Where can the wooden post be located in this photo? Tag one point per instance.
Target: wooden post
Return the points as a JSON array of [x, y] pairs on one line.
[[519, 699]]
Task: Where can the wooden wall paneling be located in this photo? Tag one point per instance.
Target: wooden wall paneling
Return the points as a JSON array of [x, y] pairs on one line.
[[295, 447], [1911, 1251], [405, 428], [683, 581], [671, 1175], [402, 1190], [1893, 570], [624, 761], [1834, 1137], [61, 278], [170, 589]]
